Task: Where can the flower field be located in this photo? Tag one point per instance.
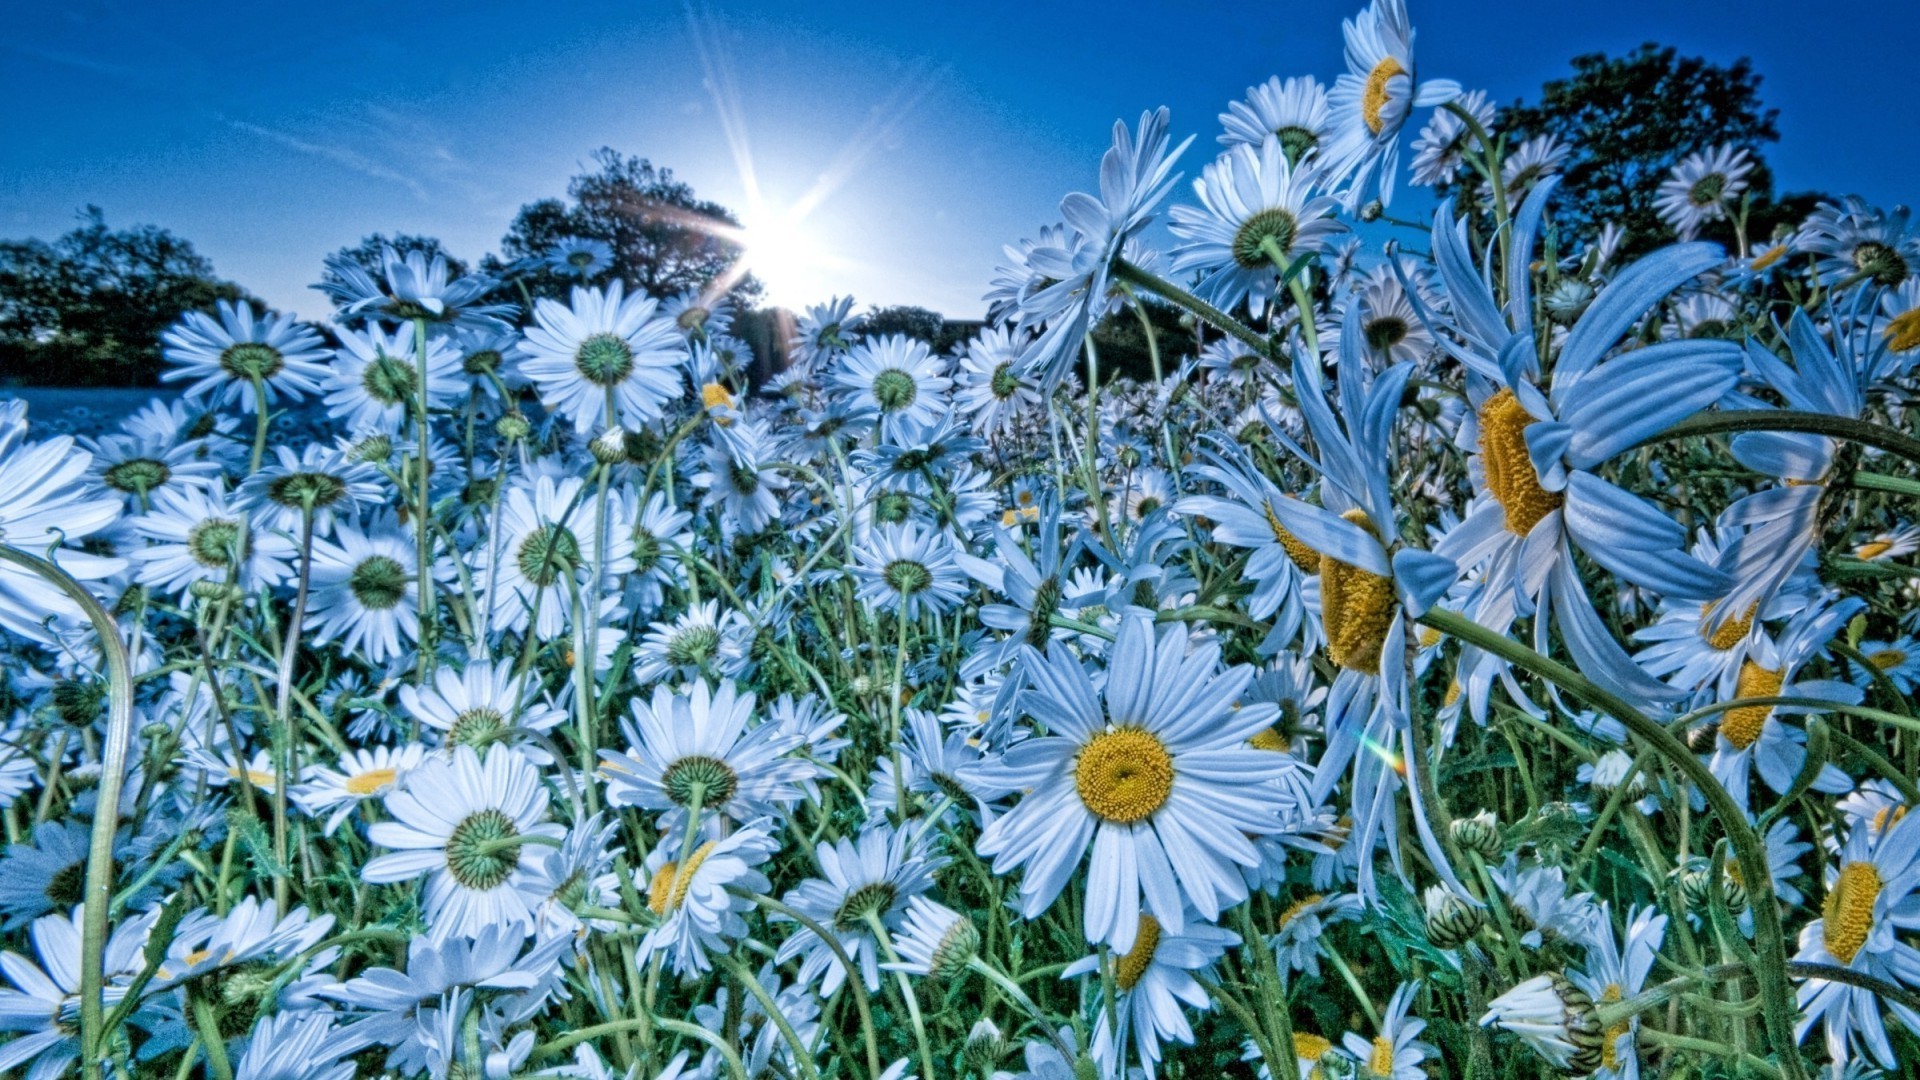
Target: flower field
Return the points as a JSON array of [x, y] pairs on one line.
[[1475, 651]]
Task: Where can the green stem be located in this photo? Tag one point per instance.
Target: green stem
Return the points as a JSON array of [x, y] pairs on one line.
[[422, 528], [1770, 943], [744, 975], [1811, 423], [1222, 321]]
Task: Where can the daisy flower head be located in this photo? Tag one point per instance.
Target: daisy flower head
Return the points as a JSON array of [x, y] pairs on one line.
[[322, 482], [412, 287], [482, 704], [1153, 977], [137, 465], [824, 331], [579, 257], [936, 941], [1701, 187], [542, 539], [373, 383], [739, 477], [475, 829], [1617, 969], [896, 379], [701, 317], [1898, 661], [1397, 1051], [1531, 162], [1856, 242], [692, 892], [358, 776], [1152, 773], [226, 357], [1294, 112], [199, 534], [1869, 901], [1891, 544], [40, 1004], [1388, 321], [907, 568], [1555, 1018], [700, 751], [1439, 152], [1371, 102], [992, 388], [362, 590], [1257, 214], [861, 896], [603, 359], [702, 642], [43, 506]]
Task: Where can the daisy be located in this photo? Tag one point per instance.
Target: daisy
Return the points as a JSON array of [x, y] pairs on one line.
[[861, 896], [200, 534], [43, 507], [1701, 187], [765, 1051], [41, 1004], [695, 894], [1153, 977], [412, 287], [695, 751], [1614, 974], [1294, 112], [225, 358], [991, 388], [321, 481], [475, 829], [1280, 563], [1898, 661], [1297, 942], [1440, 151], [138, 465], [906, 568], [482, 704], [578, 874], [297, 1046], [825, 331], [1856, 242], [605, 360], [1752, 738], [46, 872], [360, 775], [1152, 773], [701, 642], [374, 381], [1692, 647], [579, 257], [1230, 360], [1869, 899], [937, 941], [1887, 546], [1390, 326], [543, 542], [1257, 214], [362, 591], [1556, 1018], [1371, 102], [741, 478], [1397, 1051], [1533, 161], [896, 378]]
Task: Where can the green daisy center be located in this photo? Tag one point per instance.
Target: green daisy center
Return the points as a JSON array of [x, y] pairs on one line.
[[604, 359], [251, 360], [1005, 383], [1385, 332], [388, 381], [379, 582], [1707, 190], [477, 727], [307, 490], [894, 389], [1880, 262], [212, 543], [1296, 142], [477, 857], [709, 779], [548, 552], [693, 646], [138, 476], [907, 577], [1249, 243], [874, 899]]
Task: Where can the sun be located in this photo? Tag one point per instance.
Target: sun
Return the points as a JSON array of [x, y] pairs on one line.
[[784, 254]]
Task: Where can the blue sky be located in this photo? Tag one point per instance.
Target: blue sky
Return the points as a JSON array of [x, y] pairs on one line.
[[270, 134]]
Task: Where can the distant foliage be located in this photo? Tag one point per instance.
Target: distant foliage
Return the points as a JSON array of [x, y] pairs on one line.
[[87, 309]]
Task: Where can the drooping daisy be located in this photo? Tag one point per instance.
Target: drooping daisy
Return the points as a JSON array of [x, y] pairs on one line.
[[695, 751], [1372, 101], [224, 358], [373, 383], [937, 940], [1870, 899], [907, 568], [199, 534], [1902, 539], [1294, 112], [359, 776], [485, 703], [1701, 187], [861, 897], [362, 591], [692, 892], [1154, 976], [1555, 1018], [474, 828], [604, 360], [1257, 214], [1152, 773], [1297, 939], [412, 286]]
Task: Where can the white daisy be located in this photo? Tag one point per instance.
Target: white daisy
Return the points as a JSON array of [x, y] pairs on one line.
[[1870, 898], [1371, 102], [1154, 977], [360, 775], [695, 751], [693, 893], [1701, 187], [362, 591], [374, 381], [1255, 208], [224, 358], [604, 361]]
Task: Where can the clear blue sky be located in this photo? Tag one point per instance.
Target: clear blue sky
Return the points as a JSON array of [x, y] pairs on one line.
[[271, 133]]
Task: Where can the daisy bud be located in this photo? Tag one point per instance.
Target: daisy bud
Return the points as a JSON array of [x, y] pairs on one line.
[[1373, 211], [1451, 920], [610, 446], [373, 448], [79, 703], [1696, 886], [984, 1047], [513, 426], [1568, 300], [209, 590], [1479, 833], [1555, 1018]]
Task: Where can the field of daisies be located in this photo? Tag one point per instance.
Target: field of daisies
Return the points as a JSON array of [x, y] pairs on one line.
[[1475, 655]]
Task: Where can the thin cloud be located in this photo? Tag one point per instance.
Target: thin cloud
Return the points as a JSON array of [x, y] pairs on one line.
[[339, 155]]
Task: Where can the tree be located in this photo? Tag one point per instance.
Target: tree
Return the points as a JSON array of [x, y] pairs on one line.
[[367, 254], [1630, 119], [665, 240], [88, 308], [931, 327]]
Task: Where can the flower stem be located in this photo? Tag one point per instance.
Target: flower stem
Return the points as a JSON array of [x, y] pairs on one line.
[[1167, 290]]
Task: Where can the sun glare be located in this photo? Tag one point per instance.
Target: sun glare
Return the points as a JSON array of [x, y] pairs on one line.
[[784, 255]]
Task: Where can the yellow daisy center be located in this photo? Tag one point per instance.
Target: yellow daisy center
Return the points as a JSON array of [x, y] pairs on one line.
[[1380, 1062], [1124, 775], [1356, 608], [1310, 1048], [1847, 916], [668, 889], [713, 395], [1873, 549], [1770, 256], [1133, 966], [1732, 632], [1742, 725], [1610, 1042], [1304, 557], [1429, 637], [1887, 815], [1509, 467], [372, 780], [1453, 692], [1903, 333], [1299, 906], [1887, 659], [1375, 97]]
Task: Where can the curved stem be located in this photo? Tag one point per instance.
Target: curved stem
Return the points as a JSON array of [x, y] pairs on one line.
[[1770, 942], [113, 772], [1877, 436], [853, 980], [1167, 290]]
